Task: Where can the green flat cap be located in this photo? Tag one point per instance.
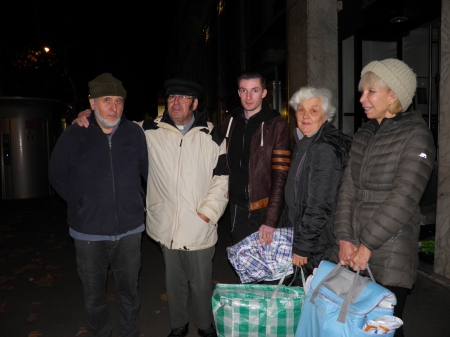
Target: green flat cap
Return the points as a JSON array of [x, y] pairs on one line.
[[106, 85]]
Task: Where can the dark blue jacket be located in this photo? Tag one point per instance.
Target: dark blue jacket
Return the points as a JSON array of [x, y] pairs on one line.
[[101, 183]]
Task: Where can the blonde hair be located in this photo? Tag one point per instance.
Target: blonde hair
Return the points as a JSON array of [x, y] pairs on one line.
[[370, 79]]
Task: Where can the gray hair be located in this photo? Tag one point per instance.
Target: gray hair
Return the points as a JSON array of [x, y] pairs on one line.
[[323, 94]]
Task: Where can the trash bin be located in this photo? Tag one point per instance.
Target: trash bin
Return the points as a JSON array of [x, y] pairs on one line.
[[27, 134]]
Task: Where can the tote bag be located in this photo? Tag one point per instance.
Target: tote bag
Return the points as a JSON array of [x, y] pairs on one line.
[[257, 310], [339, 301], [254, 262]]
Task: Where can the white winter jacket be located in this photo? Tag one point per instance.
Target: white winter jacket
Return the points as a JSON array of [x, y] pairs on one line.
[[187, 175]]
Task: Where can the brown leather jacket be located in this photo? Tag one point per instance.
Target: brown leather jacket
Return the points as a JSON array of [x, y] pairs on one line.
[[270, 157]]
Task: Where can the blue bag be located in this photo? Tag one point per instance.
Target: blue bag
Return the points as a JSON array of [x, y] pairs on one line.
[[339, 301]]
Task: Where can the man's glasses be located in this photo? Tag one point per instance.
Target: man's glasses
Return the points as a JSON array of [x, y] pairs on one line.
[[181, 98]]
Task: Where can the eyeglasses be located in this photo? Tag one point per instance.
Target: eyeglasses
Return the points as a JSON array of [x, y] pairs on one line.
[[181, 98]]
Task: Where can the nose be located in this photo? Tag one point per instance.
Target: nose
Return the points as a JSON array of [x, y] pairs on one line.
[[363, 97]]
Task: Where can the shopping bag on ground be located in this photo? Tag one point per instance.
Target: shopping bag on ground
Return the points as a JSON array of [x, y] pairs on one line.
[[340, 302], [254, 262], [257, 310]]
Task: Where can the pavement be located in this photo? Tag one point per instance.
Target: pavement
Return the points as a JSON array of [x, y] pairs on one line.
[[41, 295]]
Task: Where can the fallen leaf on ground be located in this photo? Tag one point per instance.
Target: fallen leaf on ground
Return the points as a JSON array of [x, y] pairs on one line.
[[5, 279], [59, 246], [50, 267], [46, 281], [31, 317], [164, 297], [82, 330], [28, 267], [35, 303], [7, 237], [20, 252], [34, 333]]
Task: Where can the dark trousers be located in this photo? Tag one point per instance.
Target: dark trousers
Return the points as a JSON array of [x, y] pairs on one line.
[[244, 223], [189, 270], [93, 261], [401, 294]]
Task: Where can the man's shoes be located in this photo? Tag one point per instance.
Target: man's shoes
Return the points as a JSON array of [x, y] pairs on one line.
[[210, 332], [180, 332]]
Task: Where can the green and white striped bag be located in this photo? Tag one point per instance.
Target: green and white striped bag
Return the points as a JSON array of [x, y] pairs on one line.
[[257, 310]]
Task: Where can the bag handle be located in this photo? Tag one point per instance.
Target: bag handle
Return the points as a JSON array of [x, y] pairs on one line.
[[346, 304], [275, 292]]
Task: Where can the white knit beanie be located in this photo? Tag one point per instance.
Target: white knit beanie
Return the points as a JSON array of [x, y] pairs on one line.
[[398, 77]]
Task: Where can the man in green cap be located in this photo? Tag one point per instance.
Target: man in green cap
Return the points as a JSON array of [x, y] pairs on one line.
[[97, 170]]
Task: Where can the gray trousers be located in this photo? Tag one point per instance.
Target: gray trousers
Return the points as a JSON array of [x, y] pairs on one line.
[[189, 270]]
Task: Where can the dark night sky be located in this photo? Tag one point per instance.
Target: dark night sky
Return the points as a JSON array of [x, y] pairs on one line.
[[92, 40]]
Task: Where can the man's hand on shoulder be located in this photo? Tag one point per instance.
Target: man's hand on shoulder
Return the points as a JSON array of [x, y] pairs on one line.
[[82, 120]]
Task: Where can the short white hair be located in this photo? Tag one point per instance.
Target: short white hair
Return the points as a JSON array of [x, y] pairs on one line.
[[324, 94]]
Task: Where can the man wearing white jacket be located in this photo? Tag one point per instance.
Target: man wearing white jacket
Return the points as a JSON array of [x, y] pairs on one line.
[[186, 196]]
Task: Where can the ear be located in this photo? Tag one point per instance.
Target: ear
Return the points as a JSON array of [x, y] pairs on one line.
[[92, 103], [264, 93], [392, 97], [195, 104]]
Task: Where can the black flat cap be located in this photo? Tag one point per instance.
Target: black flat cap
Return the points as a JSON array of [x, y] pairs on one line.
[[181, 86]]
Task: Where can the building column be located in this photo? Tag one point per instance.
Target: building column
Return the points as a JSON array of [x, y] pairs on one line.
[[312, 45], [442, 238]]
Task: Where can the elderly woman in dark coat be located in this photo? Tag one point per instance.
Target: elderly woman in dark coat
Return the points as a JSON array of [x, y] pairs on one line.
[[377, 219], [317, 165]]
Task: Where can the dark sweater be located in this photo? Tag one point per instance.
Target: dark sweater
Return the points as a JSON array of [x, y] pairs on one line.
[[101, 183]]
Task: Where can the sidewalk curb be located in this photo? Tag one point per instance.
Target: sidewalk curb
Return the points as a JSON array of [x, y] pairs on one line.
[[427, 271]]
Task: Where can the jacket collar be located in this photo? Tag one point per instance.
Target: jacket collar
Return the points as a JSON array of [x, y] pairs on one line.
[[264, 115], [199, 119]]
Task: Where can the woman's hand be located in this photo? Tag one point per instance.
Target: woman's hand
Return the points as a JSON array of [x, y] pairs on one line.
[[298, 260], [82, 118], [345, 252], [360, 258]]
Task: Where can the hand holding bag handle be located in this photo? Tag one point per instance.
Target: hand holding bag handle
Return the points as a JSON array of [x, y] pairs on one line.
[[350, 294]]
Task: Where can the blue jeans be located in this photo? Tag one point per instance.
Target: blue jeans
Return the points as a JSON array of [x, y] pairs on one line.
[[93, 261]]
